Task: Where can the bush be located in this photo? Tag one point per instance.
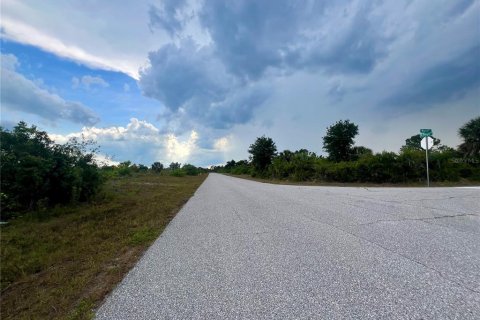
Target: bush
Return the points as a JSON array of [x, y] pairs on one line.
[[125, 169], [190, 170], [298, 165], [178, 173], [37, 172]]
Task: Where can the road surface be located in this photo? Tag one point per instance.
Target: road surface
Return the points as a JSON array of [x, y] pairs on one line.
[[246, 250]]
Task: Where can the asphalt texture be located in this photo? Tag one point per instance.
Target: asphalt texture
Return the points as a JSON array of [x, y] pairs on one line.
[[241, 249]]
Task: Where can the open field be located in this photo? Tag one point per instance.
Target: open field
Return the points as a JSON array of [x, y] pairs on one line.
[[60, 263], [246, 250]]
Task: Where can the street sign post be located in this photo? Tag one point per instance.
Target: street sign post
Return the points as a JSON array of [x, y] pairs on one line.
[[426, 143], [425, 133]]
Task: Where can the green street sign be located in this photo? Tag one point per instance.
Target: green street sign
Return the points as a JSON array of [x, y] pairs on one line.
[[425, 133]]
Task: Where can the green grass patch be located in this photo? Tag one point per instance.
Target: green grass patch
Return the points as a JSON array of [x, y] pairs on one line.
[[61, 262], [143, 236]]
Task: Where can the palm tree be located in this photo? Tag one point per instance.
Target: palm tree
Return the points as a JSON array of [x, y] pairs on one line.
[[470, 133]]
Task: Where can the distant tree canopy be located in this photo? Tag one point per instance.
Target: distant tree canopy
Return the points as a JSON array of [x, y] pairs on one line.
[[359, 151], [36, 170], [190, 169], [262, 153], [338, 140], [470, 133], [230, 164], [174, 166], [157, 166], [413, 143]]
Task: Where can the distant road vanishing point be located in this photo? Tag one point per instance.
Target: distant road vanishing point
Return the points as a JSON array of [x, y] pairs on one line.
[[246, 250]]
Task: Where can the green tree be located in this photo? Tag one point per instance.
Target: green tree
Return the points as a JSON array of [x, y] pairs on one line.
[[157, 166], [174, 166], [230, 165], [470, 133], [338, 141], [262, 152], [413, 143], [142, 168], [360, 151], [35, 170], [190, 169]]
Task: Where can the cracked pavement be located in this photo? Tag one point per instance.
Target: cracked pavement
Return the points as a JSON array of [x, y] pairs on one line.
[[246, 250]]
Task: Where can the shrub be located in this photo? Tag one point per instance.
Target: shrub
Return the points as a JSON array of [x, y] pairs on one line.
[[177, 173], [37, 171]]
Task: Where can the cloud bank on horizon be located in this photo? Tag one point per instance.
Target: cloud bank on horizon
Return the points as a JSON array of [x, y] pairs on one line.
[[226, 72]]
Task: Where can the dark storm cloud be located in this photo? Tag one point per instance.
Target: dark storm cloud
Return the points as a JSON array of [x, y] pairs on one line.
[[446, 81], [252, 36], [392, 57], [249, 38], [179, 74]]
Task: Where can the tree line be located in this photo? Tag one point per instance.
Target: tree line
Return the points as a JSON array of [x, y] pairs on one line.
[[128, 168], [346, 162], [37, 173]]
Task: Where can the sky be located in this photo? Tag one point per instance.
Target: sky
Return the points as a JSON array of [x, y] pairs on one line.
[[198, 81]]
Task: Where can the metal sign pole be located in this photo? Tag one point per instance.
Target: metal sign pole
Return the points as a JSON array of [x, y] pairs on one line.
[[426, 160]]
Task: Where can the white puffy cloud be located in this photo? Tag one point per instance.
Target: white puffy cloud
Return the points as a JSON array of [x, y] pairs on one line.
[[222, 144], [142, 142], [180, 151], [19, 93]]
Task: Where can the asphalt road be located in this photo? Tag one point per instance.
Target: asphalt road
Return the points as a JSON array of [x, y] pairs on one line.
[[246, 250]]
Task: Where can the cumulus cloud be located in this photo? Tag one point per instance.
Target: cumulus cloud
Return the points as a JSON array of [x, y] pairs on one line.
[[142, 142], [223, 83], [21, 94], [89, 81], [167, 15], [180, 73], [222, 144], [427, 57], [251, 37], [192, 82], [181, 150]]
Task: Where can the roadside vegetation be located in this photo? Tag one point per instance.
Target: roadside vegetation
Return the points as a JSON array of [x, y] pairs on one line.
[[347, 163], [71, 228]]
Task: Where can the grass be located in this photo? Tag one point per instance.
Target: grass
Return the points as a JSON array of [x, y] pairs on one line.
[[60, 263], [356, 184]]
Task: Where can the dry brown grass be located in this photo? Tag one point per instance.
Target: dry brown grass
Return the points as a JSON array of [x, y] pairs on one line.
[[61, 263]]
